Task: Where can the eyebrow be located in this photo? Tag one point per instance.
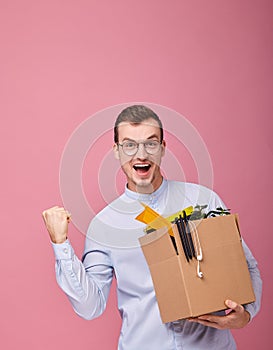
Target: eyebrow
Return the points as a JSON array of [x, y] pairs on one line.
[[153, 136]]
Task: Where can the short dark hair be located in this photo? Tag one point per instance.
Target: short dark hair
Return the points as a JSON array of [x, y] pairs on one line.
[[136, 114]]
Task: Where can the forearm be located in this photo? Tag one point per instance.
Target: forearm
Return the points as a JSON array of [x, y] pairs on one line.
[[253, 308], [85, 295]]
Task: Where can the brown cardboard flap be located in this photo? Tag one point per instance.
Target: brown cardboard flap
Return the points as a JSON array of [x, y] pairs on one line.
[[157, 246], [170, 289], [180, 292]]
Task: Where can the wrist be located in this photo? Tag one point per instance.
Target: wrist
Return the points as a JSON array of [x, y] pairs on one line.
[[248, 316], [58, 240]]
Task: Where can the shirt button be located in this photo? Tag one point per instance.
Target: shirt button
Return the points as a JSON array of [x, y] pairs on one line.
[[65, 250]]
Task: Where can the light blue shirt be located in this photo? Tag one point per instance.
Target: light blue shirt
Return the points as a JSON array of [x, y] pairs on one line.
[[112, 249]]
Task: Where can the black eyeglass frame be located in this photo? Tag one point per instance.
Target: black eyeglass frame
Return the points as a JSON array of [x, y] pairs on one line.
[[144, 143]]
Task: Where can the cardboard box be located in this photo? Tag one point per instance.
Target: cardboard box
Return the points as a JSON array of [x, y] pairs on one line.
[[180, 292]]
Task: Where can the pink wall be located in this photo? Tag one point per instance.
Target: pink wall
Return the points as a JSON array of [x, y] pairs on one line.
[[64, 61]]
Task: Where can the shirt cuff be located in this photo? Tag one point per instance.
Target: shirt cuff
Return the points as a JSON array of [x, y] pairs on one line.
[[63, 251], [250, 309]]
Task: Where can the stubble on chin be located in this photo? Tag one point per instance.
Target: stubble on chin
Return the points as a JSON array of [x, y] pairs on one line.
[[145, 186]]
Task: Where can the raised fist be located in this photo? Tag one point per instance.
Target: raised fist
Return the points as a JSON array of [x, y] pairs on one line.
[[56, 220]]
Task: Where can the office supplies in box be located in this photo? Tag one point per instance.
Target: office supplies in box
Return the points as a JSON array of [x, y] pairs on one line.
[[189, 286]]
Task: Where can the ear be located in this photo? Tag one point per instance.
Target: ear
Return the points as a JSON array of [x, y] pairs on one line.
[[163, 147], [116, 151]]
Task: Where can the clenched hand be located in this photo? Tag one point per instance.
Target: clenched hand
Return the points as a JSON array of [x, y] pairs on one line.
[[56, 220]]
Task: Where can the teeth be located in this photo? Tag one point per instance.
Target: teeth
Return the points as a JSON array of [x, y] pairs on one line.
[[141, 165]]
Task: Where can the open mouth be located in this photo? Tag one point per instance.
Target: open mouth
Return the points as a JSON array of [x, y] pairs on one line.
[[142, 168]]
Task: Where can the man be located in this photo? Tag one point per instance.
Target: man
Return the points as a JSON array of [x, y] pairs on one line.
[[112, 248]]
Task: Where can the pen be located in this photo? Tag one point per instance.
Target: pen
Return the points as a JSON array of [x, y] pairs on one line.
[[174, 244], [188, 249], [188, 231], [178, 224]]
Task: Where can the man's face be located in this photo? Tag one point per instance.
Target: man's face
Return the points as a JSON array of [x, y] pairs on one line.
[[142, 169]]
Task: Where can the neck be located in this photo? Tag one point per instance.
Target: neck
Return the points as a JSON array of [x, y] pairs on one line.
[[146, 189]]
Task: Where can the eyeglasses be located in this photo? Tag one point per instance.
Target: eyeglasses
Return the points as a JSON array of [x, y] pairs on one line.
[[130, 148]]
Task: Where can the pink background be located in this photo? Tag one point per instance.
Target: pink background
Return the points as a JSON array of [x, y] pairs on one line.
[[63, 61]]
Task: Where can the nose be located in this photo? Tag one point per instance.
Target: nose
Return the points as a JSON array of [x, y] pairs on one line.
[[141, 152]]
